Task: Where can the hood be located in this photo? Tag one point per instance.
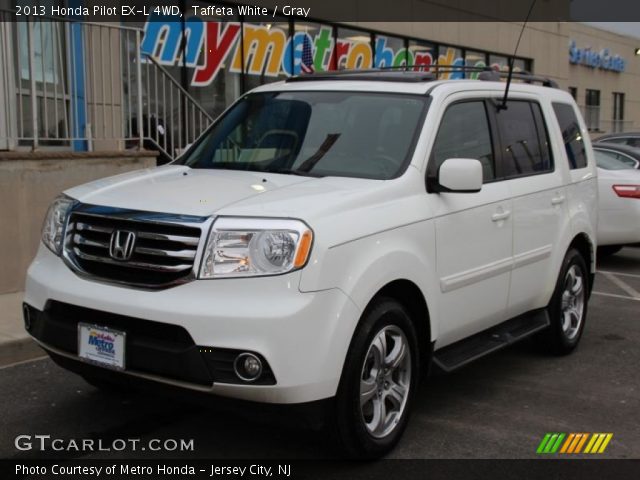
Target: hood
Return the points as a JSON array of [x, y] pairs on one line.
[[181, 190]]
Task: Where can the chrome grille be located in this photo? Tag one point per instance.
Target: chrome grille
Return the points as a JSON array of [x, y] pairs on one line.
[[164, 251]]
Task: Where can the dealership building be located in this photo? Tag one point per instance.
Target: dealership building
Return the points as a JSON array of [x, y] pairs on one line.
[[100, 95], [86, 86]]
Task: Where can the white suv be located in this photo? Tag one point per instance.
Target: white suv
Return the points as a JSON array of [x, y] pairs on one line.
[[327, 238]]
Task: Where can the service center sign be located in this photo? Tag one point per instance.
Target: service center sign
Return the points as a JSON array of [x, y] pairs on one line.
[[594, 59]]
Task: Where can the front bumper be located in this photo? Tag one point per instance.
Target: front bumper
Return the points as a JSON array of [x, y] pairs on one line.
[[303, 337]]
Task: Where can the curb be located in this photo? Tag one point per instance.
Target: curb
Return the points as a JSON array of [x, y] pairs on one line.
[[19, 350]]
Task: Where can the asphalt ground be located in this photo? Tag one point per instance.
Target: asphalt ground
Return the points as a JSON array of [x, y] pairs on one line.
[[498, 407]]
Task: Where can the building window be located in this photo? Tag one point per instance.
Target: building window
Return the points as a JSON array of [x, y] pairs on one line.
[[474, 59], [592, 109], [319, 43], [354, 51], [267, 52], [618, 112], [389, 52], [422, 54], [573, 91], [499, 62], [44, 42], [450, 57]]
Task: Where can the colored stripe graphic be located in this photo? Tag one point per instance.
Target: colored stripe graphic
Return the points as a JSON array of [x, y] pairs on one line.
[[550, 443], [573, 443], [543, 443], [598, 442], [567, 442], [583, 439]]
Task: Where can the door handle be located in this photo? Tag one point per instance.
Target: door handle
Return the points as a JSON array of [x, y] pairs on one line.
[[496, 217], [557, 200]]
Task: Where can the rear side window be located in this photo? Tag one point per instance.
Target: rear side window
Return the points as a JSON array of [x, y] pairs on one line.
[[621, 141], [525, 144], [464, 133], [610, 160], [573, 143]]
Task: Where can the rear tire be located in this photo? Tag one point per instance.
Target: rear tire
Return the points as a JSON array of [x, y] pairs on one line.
[[378, 382], [568, 307]]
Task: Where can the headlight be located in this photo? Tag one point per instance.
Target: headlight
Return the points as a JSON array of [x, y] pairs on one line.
[[53, 227], [246, 247]]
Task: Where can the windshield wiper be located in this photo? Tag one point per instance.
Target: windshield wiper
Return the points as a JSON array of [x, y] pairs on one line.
[[311, 162], [288, 171]]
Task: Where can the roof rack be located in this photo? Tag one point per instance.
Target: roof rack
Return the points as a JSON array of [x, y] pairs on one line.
[[379, 75], [420, 73]]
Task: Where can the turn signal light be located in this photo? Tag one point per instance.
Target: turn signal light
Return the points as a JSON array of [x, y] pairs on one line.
[[303, 249], [627, 191]]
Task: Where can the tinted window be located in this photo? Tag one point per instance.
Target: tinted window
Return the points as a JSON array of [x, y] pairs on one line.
[[573, 143], [525, 145], [464, 133], [622, 141], [609, 161], [628, 160], [633, 141], [314, 133]]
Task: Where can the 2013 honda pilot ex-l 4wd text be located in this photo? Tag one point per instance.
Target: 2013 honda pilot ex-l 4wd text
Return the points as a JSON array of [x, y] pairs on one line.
[[329, 237]]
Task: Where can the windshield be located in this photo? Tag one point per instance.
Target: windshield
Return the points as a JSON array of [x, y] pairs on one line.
[[351, 134], [610, 161]]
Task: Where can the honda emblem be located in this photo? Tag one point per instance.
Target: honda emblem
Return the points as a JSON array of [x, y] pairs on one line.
[[121, 245]]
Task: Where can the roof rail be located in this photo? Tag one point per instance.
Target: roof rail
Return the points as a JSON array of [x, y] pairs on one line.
[[420, 73], [380, 75], [527, 77]]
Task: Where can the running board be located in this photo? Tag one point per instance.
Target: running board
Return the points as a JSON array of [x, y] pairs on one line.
[[507, 333]]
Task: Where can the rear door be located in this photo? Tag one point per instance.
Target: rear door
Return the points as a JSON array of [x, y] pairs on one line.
[[539, 201]]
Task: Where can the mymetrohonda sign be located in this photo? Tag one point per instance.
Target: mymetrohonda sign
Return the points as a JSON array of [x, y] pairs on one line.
[[268, 50]]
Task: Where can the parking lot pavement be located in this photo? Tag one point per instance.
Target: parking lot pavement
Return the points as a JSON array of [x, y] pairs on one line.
[[15, 343], [498, 407], [619, 275]]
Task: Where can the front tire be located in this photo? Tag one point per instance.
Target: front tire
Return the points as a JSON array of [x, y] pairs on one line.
[[568, 307], [378, 381]]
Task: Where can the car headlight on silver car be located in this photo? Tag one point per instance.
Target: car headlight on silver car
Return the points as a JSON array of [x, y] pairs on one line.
[[247, 247], [53, 228]]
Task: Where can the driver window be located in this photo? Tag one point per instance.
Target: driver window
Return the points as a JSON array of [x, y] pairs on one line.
[[464, 133]]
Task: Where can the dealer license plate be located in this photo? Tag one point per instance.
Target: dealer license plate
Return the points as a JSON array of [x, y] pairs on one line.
[[102, 346]]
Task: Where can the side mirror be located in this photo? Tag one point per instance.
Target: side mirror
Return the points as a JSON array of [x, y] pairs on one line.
[[460, 175]]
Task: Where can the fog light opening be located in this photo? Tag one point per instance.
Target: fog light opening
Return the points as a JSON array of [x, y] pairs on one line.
[[248, 367], [27, 317]]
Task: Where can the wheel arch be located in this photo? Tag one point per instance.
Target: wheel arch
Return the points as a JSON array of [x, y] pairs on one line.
[[583, 244], [409, 295]]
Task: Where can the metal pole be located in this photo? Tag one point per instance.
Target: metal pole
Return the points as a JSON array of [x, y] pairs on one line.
[[45, 98], [139, 83], [18, 50], [32, 78]]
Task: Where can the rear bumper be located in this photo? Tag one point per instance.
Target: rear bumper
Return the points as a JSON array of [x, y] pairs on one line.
[[303, 337]]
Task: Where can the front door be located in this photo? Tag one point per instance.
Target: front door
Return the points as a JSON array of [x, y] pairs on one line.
[[473, 230]]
